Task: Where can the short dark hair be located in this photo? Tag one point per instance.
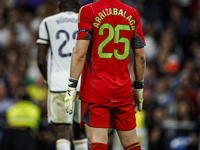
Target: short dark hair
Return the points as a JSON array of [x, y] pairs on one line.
[[68, 1], [69, 5]]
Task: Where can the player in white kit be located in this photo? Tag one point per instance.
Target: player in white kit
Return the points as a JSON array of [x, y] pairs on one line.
[[57, 34]]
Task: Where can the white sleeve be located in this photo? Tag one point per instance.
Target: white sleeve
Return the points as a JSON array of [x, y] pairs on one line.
[[43, 34]]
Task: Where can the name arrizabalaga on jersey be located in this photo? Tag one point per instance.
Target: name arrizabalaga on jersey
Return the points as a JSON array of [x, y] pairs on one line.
[[113, 11], [66, 20]]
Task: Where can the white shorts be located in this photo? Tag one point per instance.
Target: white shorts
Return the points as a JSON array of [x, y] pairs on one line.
[[56, 109]]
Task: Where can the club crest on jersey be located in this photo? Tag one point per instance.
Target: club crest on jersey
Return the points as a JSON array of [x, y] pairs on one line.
[[113, 11]]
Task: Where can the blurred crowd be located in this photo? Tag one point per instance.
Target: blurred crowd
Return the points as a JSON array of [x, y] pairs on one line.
[[172, 80]]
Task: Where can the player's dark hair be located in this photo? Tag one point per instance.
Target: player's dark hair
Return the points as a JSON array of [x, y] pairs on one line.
[[69, 5]]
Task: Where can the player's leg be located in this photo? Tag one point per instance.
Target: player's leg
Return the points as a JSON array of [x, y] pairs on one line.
[[125, 124], [61, 120], [110, 138], [98, 137], [62, 132], [95, 119], [80, 140], [129, 139]]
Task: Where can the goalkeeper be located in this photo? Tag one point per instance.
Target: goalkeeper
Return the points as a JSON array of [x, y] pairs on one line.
[[107, 29]]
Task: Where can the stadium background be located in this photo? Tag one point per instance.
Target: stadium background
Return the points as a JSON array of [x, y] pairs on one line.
[[170, 120]]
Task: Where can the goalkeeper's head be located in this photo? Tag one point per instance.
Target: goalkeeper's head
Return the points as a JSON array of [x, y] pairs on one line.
[[69, 5]]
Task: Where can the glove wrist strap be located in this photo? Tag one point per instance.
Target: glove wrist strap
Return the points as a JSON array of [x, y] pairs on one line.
[[72, 83], [138, 84]]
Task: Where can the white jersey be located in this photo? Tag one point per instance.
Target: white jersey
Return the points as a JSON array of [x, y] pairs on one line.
[[59, 31]]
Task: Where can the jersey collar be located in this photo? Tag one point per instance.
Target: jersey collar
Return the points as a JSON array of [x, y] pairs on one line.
[[68, 12]]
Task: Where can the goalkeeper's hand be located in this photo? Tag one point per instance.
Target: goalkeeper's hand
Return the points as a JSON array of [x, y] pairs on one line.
[[70, 95], [69, 99], [138, 99]]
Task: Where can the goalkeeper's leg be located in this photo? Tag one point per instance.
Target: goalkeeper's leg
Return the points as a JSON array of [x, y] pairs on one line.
[[129, 139], [95, 119], [98, 137], [122, 118]]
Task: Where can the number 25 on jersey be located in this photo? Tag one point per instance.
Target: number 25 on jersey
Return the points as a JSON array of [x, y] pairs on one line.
[[114, 33]]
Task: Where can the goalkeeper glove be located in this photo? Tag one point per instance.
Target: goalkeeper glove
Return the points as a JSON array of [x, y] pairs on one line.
[[138, 95], [70, 95]]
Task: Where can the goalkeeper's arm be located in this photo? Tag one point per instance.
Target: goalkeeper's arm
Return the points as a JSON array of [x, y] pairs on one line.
[[139, 68], [77, 63], [139, 65], [78, 58]]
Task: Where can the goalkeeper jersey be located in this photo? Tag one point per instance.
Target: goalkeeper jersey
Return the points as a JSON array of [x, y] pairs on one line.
[[113, 28], [59, 32]]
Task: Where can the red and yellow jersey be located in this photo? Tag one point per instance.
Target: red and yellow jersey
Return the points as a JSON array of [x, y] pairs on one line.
[[113, 28]]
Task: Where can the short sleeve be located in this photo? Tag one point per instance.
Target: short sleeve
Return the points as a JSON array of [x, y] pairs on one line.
[[85, 23], [43, 35], [138, 40]]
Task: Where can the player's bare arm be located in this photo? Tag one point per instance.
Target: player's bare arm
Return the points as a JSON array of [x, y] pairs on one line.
[[78, 58], [139, 66], [41, 59], [77, 63]]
